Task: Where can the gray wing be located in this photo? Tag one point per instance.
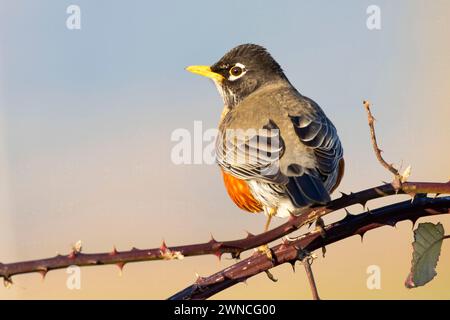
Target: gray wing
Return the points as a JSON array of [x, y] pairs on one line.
[[318, 133], [252, 154]]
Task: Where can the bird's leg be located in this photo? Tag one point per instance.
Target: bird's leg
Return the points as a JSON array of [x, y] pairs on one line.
[[270, 212], [269, 218]]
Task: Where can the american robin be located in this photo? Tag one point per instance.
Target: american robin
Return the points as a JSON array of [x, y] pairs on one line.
[[277, 149]]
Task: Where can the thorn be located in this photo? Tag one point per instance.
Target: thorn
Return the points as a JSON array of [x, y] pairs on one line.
[[120, 265], [384, 182], [361, 234], [343, 194], [437, 195], [114, 251], [7, 282], [347, 213], [363, 203], [43, 272], [218, 254], [292, 263], [134, 249], [324, 251], [212, 240], [270, 276], [163, 246], [249, 235]]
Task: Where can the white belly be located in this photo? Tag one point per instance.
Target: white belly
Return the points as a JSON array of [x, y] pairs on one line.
[[273, 196]]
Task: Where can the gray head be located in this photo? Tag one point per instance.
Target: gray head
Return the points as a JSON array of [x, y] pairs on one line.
[[241, 71]]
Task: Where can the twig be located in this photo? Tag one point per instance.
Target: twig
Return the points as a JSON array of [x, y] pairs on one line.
[[234, 247], [351, 225], [373, 137], [312, 283]]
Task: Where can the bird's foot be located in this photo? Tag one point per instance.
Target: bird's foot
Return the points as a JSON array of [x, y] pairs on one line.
[[265, 250]]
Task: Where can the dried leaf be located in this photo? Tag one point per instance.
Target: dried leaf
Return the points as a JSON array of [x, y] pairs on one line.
[[77, 247], [405, 175], [168, 254], [427, 244]]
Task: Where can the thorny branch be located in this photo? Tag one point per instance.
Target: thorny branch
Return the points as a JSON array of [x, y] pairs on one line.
[[288, 251], [234, 247]]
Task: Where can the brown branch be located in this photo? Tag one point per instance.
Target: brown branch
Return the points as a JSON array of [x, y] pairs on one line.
[[373, 137], [307, 262], [234, 247], [293, 251]]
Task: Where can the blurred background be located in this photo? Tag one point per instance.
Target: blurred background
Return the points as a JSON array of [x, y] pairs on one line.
[[86, 118]]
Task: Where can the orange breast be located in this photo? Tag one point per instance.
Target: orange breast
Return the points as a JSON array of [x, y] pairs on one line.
[[240, 193], [340, 174]]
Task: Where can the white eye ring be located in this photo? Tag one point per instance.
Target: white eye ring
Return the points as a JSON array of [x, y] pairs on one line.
[[233, 77]]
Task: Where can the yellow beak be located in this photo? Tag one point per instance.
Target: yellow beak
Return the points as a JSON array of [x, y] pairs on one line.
[[206, 72]]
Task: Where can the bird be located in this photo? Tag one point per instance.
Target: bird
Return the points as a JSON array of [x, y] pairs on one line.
[[277, 150]]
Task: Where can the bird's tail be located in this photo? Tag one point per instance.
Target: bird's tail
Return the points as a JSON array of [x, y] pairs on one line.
[[307, 190]]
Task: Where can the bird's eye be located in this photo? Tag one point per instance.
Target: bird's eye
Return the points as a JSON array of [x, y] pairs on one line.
[[236, 71]]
